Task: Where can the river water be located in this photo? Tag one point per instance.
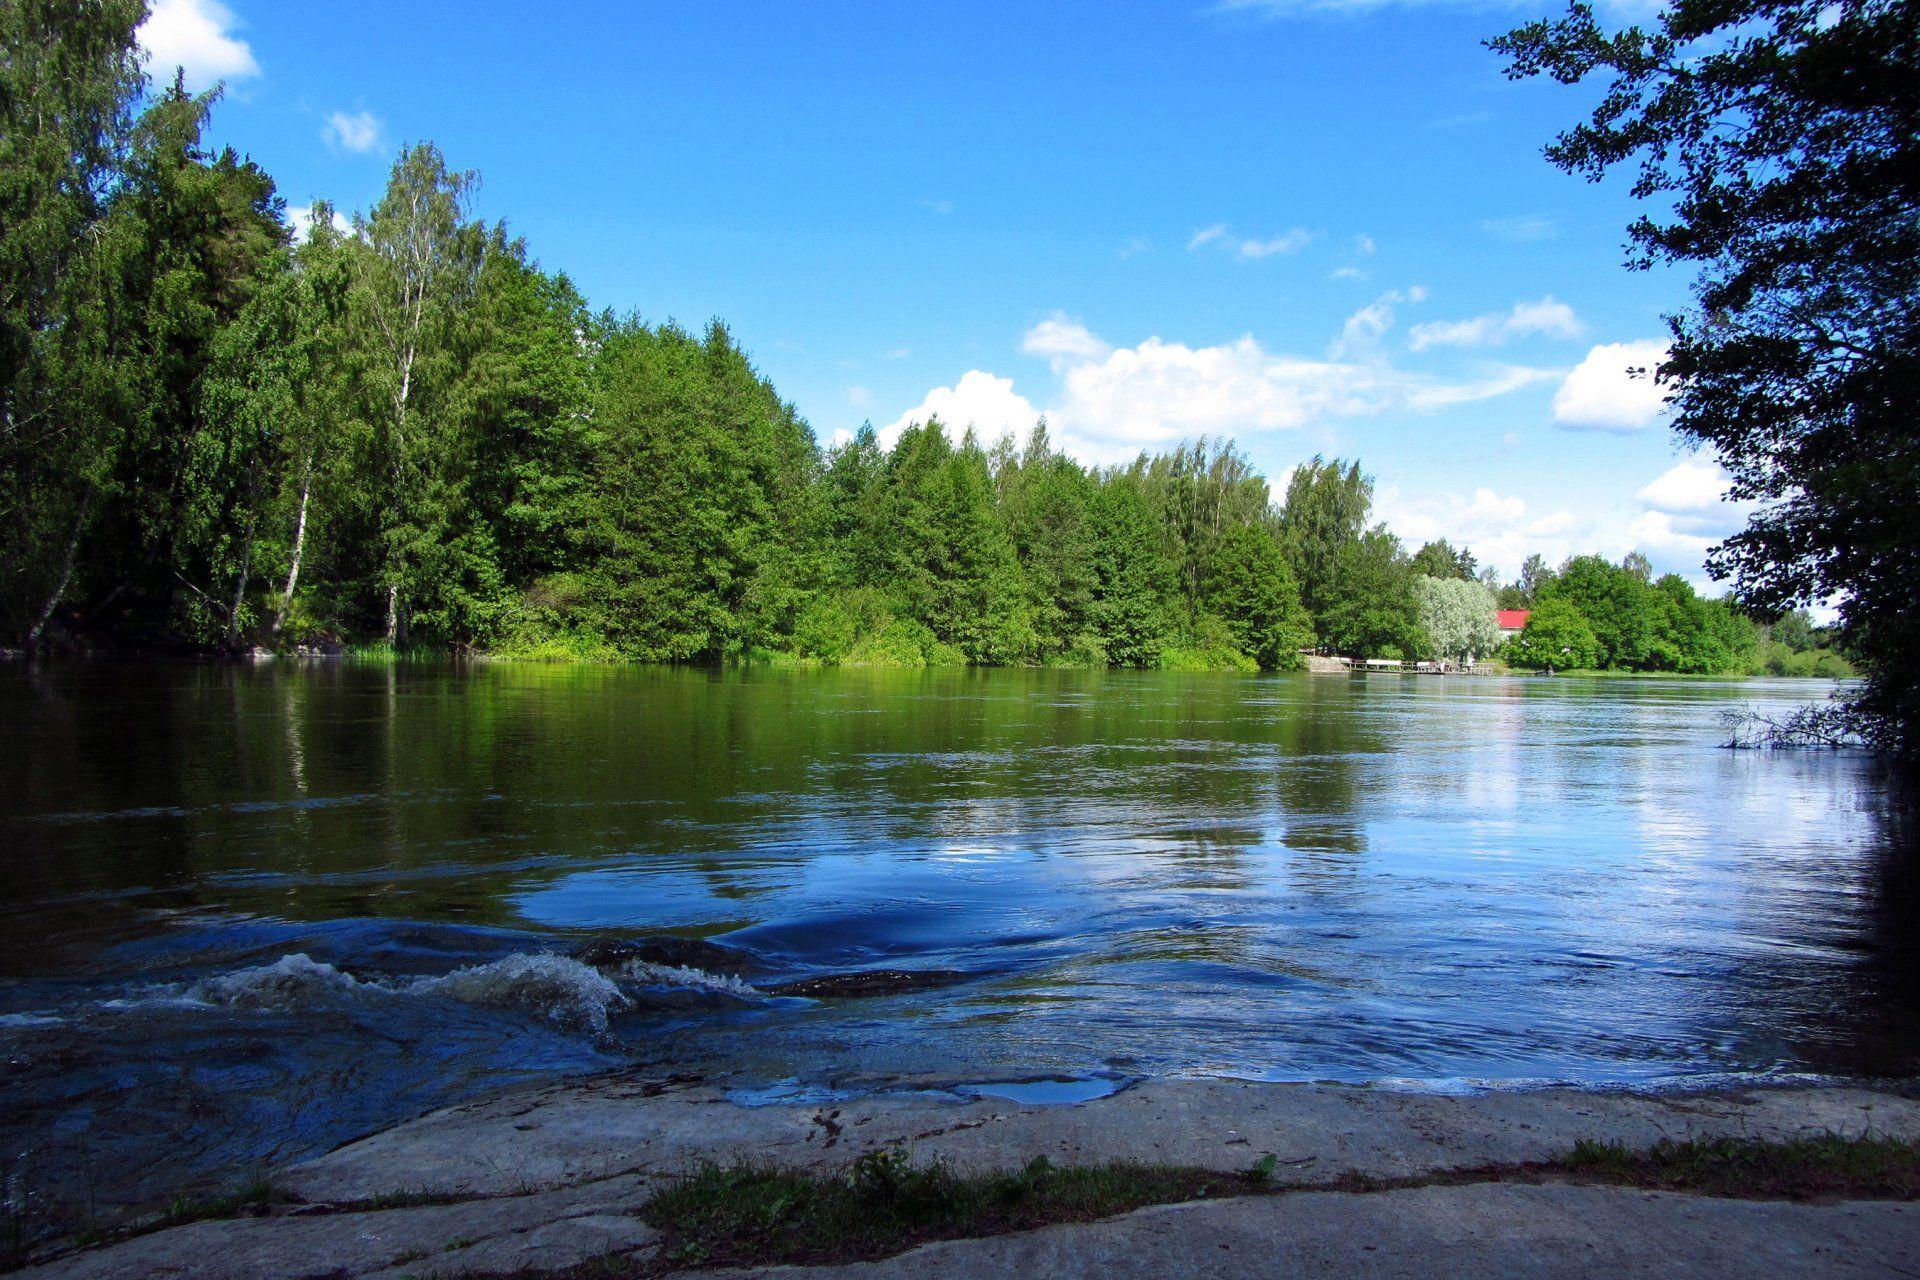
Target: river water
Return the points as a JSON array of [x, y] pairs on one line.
[[248, 913]]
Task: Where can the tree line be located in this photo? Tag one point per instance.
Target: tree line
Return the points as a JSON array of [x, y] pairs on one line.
[[398, 429]]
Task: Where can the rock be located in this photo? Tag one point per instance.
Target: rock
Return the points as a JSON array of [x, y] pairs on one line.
[[868, 982], [553, 1176], [553, 1228], [678, 953]]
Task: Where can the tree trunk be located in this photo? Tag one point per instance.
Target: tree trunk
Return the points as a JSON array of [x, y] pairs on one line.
[[66, 575], [299, 548]]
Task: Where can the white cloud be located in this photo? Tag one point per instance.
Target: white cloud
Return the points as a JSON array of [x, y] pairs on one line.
[[859, 397], [1497, 528], [1137, 245], [1546, 317], [1601, 394], [1111, 402], [1360, 336], [1656, 533], [1063, 341], [300, 221], [195, 36], [360, 133], [937, 206], [1364, 245], [1349, 273], [979, 400], [1688, 486], [1292, 240], [899, 353], [1527, 229]]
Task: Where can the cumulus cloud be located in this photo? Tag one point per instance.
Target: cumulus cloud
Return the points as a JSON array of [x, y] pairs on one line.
[[360, 133], [1605, 393], [197, 37], [1688, 486], [1063, 341], [1502, 530], [1112, 402], [1547, 317], [300, 221], [980, 400], [1292, 240], [1499, 528]]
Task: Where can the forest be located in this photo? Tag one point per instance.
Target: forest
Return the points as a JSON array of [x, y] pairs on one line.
[[396, 431]]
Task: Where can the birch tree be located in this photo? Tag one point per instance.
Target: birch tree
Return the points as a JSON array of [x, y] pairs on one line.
[[418, 272]]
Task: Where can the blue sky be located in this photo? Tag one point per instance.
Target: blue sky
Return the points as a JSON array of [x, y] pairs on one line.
[[1313, 227]]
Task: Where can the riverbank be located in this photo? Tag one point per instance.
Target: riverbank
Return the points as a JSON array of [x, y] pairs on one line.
[[1307, 1180]]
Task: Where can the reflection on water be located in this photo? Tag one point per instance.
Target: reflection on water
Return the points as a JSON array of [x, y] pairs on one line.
[[1291, 878]]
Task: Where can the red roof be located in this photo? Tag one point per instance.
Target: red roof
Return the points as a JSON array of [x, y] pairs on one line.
[[1514, 619]]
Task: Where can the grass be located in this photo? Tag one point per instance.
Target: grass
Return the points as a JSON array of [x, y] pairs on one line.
[[257, 1189], [881, 1204], [1803, 1168]]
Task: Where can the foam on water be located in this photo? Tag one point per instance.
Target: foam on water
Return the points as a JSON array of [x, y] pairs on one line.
[[647, 973], [545, 985], [553, 987], [291, 982]]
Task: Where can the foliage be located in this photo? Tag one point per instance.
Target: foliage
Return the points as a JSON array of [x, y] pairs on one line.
[[1438, 559], [1372, 610], [411, 437], [1458, 614], [1774, 142], [1250, 588], [1557, 635]]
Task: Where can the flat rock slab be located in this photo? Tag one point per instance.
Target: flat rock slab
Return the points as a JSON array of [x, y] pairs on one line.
[[1461, 1232], [573, 1133], [550, 1177], [549, 1229]]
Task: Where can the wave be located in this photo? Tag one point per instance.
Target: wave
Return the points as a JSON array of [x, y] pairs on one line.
[[291, 982], [561, 991], [553, 988]]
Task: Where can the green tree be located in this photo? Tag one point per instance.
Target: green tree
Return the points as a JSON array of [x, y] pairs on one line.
[[1373, 610], [1438, 559], [1046, 501], [1133, 576], [1324, 515], [1775, 143], [1618, 606], [1558, 636], [278, 402], [1250, 587], [69, 78], [418, 275]]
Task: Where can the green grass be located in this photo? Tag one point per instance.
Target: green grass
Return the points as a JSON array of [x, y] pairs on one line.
[[257, 1189], [755, 1215], [1828, 1165]]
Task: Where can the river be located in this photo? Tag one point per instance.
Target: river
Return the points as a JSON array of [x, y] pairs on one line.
[[250, 912]]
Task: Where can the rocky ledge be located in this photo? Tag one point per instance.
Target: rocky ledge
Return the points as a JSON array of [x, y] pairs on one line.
[[1371, 1181]]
